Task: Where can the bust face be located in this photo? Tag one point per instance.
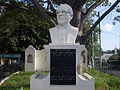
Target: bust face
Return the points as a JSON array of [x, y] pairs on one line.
[[63, 16], [64, 32]]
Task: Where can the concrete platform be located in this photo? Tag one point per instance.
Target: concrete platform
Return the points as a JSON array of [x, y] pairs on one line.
[[83, 82]]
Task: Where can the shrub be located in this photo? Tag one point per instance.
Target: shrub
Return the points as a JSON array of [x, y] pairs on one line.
[[114, 57]]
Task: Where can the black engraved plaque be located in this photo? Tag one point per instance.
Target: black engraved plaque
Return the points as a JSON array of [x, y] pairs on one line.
[[62, 66]]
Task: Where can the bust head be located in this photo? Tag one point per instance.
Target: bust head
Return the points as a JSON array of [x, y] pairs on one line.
[[64, 32], [64, 14]]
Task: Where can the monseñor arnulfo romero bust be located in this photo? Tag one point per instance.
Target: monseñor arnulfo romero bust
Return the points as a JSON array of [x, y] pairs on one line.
[[64, 32]]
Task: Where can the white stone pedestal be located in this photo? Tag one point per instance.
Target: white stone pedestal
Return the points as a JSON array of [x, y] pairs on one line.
[[85, 82], [76, 46]]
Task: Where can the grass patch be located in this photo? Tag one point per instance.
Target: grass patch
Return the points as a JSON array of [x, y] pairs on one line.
[[102, 81], [17, 82], [9, 69]]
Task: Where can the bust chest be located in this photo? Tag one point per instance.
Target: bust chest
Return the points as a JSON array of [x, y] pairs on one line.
[[62, 34], [66, 35]]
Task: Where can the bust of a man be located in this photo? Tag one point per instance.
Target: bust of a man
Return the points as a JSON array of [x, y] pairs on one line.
[[64, 32]]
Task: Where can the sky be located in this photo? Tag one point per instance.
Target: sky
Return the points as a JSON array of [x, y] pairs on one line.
[[110, 34]]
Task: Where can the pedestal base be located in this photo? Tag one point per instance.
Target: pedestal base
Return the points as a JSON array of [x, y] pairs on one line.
[[83, 82]]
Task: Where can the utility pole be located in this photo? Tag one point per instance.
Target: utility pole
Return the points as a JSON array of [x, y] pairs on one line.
[[119, 41], [93, 54], [118, 51], [100, 41]]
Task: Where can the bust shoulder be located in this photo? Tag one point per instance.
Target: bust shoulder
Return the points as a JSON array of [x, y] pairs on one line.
[[52, 29], [74, 28]]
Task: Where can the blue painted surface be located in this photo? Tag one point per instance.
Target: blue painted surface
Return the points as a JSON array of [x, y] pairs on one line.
[[10, 56]]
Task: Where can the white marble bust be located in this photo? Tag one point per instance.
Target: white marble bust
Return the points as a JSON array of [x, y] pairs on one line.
[[64, 32]]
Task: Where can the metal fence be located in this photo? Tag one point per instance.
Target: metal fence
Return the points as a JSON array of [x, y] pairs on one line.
[[112, 68]]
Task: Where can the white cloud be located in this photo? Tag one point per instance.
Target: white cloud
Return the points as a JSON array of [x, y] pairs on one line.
[[112, 1], [107, 27]]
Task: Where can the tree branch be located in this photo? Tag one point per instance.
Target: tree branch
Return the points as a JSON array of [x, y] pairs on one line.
[[57, 2], [80, 2], [41, 11], [86, 15], [86, 35], [51, 6], [10, 6]]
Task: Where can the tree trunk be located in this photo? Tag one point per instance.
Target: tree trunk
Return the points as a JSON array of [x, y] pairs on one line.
[[76, 17], [81, 25]]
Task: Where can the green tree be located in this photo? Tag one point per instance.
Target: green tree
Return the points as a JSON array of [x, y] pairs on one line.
[[23, 21], [18, 29], [46, 8]]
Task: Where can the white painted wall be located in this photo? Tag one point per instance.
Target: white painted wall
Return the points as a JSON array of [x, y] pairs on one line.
[[41, 61], [30, 51]]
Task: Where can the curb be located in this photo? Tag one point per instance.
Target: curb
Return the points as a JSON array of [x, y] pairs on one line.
[[8, 77]]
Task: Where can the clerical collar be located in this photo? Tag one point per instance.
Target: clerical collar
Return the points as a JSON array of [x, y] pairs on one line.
[[63, 27]]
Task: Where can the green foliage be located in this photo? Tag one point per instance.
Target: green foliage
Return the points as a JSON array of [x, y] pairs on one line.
[[114, 60], [88, 42], [104, 81], [91, 2], [114, 57], [9, 69], [21, 80], [18, 29]]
